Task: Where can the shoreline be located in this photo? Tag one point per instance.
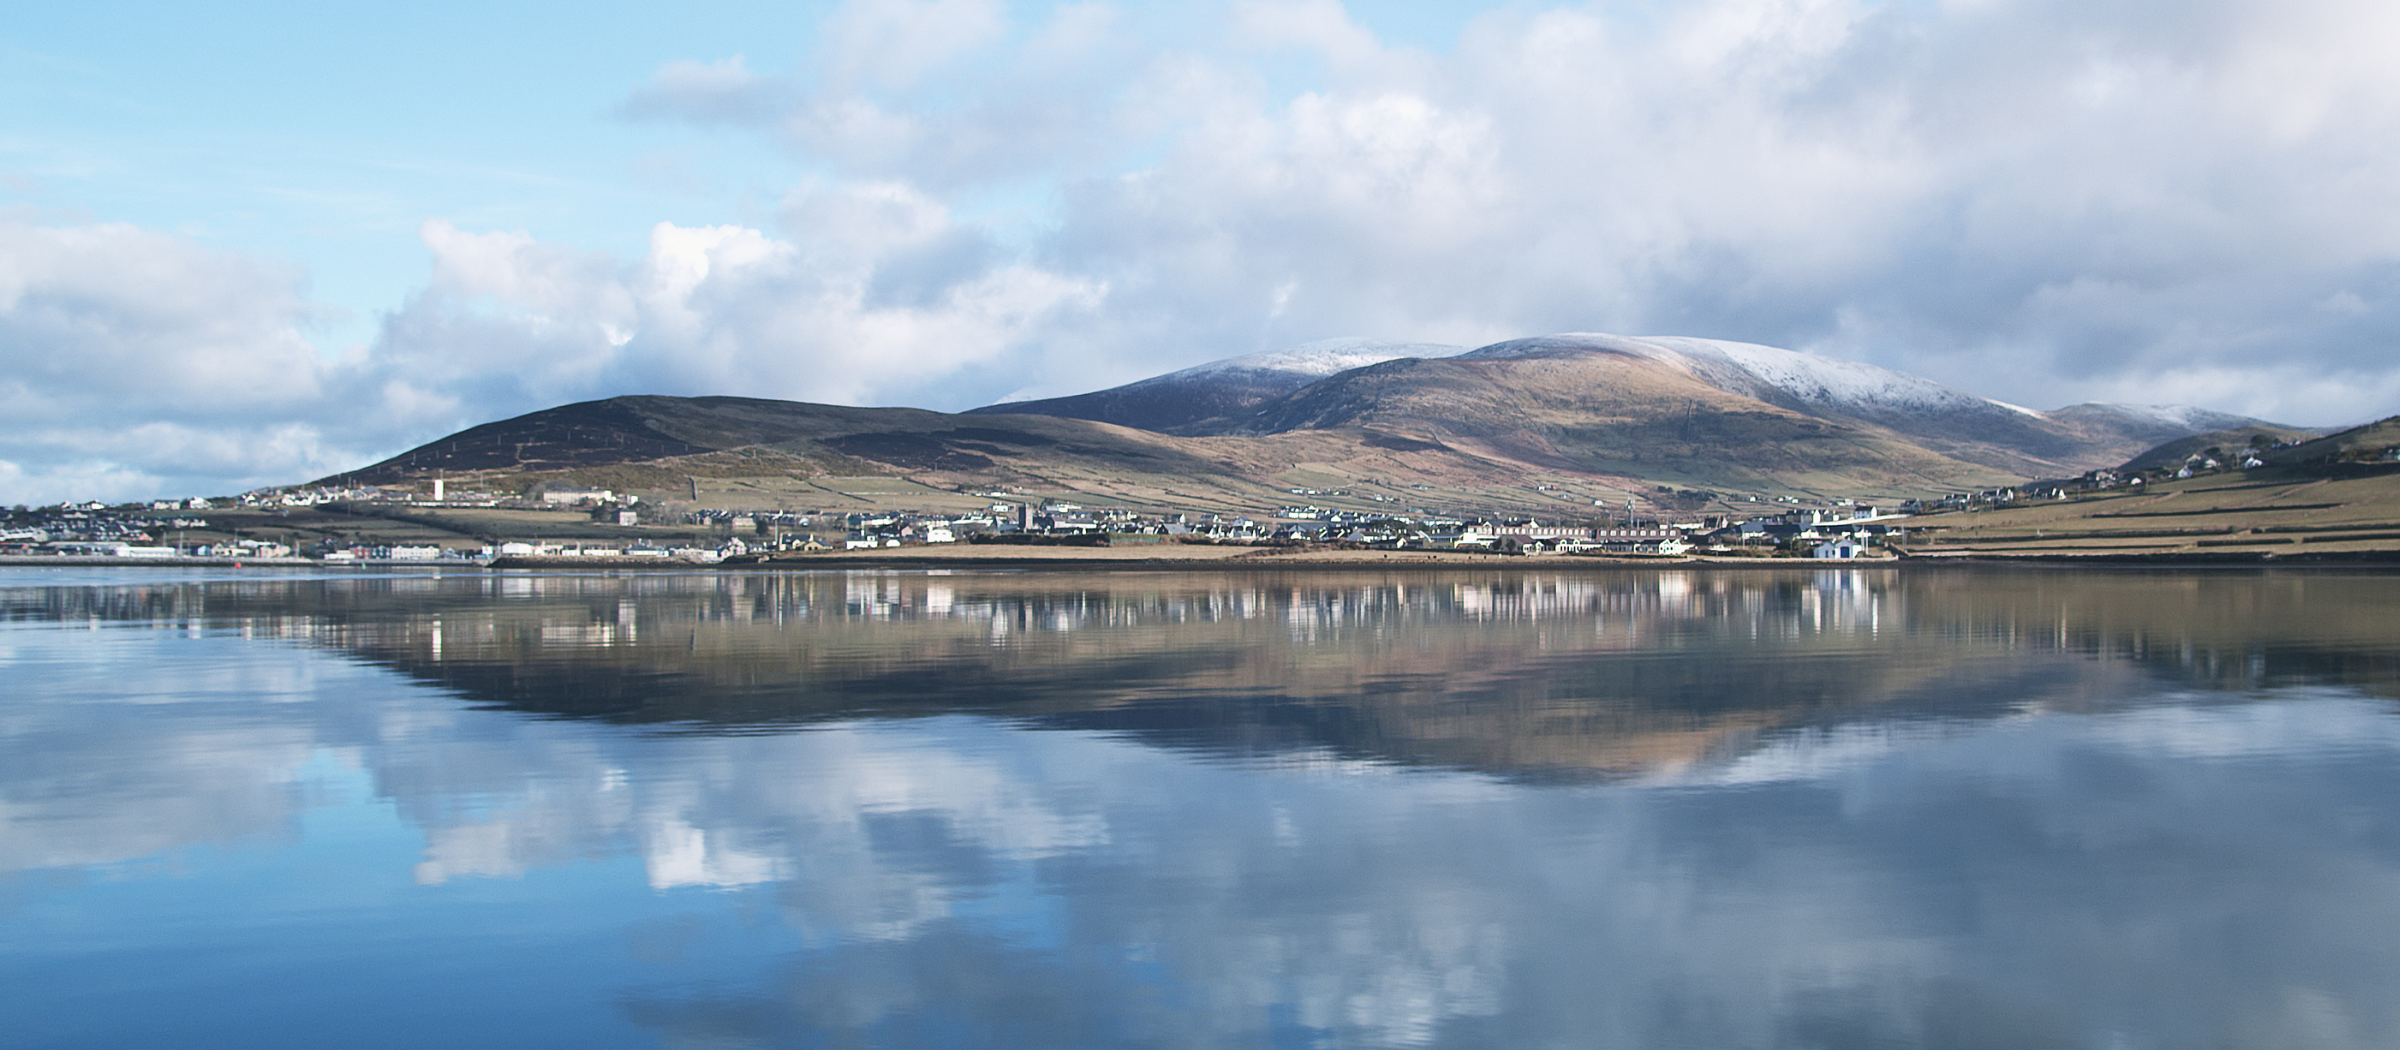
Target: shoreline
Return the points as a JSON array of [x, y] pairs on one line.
[[1252, 561]]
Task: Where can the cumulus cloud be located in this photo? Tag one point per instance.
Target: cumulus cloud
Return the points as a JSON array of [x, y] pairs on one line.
[[878, 291], [141, 363], [115, 317], [2036, 200], [131, 360]]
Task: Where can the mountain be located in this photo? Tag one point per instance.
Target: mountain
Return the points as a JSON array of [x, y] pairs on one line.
[[1618, 403], [1600, 405], [1176, 400], [1542, 425], [744, 437], [2152, 425]]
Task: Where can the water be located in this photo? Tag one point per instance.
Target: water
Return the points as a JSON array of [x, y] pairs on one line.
[[1843, 808]]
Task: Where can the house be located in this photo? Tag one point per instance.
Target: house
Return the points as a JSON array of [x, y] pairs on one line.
[[1838, 549], [1465, 539]]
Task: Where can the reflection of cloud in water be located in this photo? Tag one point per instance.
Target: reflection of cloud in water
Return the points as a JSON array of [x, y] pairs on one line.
[[139, 764], [2205, 868], [2046, 878], [678, 854], [1937, 892]]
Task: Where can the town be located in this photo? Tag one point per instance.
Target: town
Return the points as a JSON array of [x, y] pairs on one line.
[[561, 524], [351, 525]]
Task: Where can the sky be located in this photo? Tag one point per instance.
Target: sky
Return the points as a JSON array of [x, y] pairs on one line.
[[254, 243]]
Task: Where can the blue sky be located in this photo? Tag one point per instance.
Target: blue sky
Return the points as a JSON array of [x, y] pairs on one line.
[[256, 244], [324, 138]]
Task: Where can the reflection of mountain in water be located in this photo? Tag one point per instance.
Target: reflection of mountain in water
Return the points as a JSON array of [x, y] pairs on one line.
[[1522, 674]]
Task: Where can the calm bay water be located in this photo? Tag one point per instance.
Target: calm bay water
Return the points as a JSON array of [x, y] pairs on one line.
[[1841, 808]]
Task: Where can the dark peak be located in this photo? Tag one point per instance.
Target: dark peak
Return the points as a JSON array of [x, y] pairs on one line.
[[583, 434]]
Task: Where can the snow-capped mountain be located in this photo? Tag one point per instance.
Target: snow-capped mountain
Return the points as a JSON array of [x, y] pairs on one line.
[[1503, 422], [1221, 388], [1976, 429], [1609, 393], [1771, 374], [2149, 424]]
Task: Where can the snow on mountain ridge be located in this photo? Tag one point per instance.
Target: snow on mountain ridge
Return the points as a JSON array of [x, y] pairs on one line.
[[2188, 417], [1832, 380], [1321, 358], [1761, 371]]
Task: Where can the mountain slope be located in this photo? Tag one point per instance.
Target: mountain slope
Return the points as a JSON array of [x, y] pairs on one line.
[[741, 436], [1932, 416], [1248, 395], [1177, 400], [1593, 405], [1550, 423]]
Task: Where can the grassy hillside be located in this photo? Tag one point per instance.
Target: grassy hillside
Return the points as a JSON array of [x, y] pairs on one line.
[[1527, 437], [1614, 414], [2273, 513]]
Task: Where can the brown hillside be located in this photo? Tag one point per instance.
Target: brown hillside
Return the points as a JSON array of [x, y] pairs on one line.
[[1610, 413]]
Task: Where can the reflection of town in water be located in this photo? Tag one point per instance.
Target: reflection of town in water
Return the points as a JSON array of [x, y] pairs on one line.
[[1486, 808], [1603, 673]]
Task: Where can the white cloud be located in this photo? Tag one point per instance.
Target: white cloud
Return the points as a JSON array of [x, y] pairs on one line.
[[2035, 200], [2040, 201], [134, 362], [877, 290], [115, 319]]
